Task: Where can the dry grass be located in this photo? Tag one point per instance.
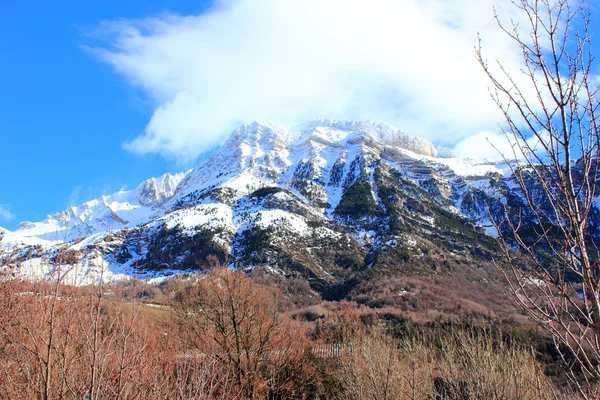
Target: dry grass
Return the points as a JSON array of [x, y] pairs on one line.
[[461, 365]]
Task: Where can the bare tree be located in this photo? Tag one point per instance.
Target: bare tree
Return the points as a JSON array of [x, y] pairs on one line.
[[482, 365], [550, 106], [376, 369], [230, 319]]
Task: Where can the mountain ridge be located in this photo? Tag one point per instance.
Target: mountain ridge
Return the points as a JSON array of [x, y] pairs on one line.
[[296, 136], [326, 201], [97, 214]]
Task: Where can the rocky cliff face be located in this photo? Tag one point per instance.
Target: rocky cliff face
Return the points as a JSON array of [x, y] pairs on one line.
[[327, 202]]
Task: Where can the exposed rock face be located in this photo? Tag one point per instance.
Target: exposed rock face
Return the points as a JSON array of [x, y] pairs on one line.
[[327, 201], [156, 190]]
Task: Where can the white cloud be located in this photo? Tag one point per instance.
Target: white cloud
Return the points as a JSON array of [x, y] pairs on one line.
[[495, 146], [486, 144], [5, 214], [407, 62]]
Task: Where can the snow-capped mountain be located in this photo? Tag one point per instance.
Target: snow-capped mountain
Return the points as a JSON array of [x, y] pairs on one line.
[[326, 201], [116, 211]]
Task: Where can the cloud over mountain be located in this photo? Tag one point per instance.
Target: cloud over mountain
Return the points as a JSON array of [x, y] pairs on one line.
[[409, 63]]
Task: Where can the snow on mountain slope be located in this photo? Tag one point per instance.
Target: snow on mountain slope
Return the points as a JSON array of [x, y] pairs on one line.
[[316, 198], [257, 154], [308, 159], [115, 211], [8, 238], [259, 150], [381, 132]]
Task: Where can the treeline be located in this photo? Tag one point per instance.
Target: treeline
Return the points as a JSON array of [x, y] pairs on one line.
[[222, 336]]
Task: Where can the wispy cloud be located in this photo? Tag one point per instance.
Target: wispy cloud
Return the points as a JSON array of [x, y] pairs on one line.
[[410, 63], [5, 214], [83, 193], [78, 195]]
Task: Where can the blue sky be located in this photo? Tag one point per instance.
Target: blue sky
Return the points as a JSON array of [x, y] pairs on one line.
[[98, 95], [63, 114]]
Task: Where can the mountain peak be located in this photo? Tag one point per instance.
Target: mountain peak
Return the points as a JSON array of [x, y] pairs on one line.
[[255, 127], [125, 208], [157, 189], [333, 131]]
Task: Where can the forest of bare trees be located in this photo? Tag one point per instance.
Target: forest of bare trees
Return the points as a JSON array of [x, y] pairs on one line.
[[223, 336]]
